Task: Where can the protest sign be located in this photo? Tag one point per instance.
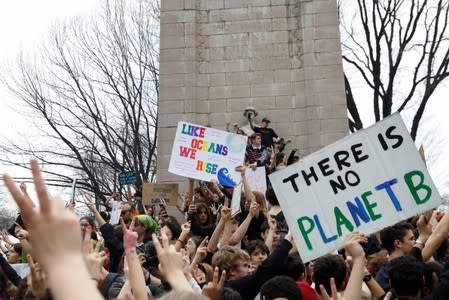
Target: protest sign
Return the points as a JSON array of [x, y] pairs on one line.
[[206, 153], [116, 212], [153, 193], [257, 179], [127, 178], [21, 269], [364, 182], [235, 202]]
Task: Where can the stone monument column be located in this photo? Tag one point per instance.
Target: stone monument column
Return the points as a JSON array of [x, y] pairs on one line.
[[282, 57]]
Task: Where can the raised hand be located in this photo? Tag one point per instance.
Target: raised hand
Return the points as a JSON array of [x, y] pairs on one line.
[[353, 247], [54, 232], [254, 209], [325, 296], [90, 203], [225, 213], [93, 258], [241, 169], [213, 288], [186, 227], [129, 236], [171, 263], [36, 278], [55, 238]]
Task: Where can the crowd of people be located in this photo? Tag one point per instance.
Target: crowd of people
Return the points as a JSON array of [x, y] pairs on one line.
[[212, 254]]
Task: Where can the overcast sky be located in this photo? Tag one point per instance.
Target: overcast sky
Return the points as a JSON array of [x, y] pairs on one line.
[[24, 25]]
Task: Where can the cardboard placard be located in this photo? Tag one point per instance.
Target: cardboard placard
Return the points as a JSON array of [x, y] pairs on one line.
[[152, 193], [364, 182]]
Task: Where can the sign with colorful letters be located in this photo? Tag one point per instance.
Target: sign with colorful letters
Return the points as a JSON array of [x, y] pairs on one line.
[[364, 182], [206, 153]]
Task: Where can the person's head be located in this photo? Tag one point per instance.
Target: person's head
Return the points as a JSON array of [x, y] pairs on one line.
[[432, 272], [326, 267], [256, 139], [265, 122], [257, 251], [150, 210], [271, 197], [203, 214], [88, 226], [127, 212], [172, 229], [192, 244], [233, 260], [265, 229], [293, 267], [20, 232], [280, 287], [145, 226], [215, 198], [230, 294], [15, 254], [105, 215], [406, 276], [375, 261], [398, 238]]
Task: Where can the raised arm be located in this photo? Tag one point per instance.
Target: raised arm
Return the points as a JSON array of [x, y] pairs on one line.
[[438, 235], [55, 237], [171, 264], [353, 248], [215, 237], [90, 204], [272, 230], [250, 120], [246, 187], [136, 277], [239, 234], [184, 236]]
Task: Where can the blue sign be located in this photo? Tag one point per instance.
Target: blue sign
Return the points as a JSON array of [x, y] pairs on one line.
[[127, 178]]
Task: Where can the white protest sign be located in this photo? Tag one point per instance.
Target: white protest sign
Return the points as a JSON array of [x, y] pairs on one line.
[[236, 197], [116, 212], [206, 153], [257, 179], [364, 182], [21, 269]]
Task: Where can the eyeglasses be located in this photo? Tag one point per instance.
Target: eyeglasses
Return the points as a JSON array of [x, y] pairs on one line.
[[84, 224]]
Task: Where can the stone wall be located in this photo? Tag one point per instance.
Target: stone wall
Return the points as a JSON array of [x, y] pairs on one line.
[[282, 57]]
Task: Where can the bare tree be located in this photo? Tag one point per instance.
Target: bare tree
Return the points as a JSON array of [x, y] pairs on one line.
[[399, 49], [92, 93]]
